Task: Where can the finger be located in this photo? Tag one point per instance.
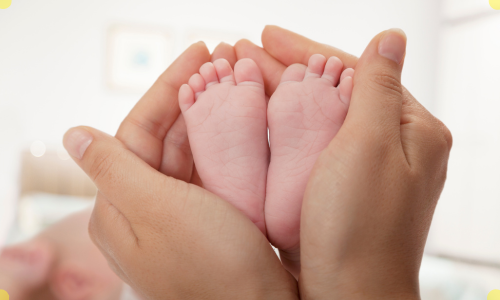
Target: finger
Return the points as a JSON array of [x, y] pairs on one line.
[[271, 68], [378, 95], [144, 129], [117, 172], [290, 48], [225, 51], [178, 159]]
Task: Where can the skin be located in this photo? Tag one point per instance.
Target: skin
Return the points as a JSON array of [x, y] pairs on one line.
[[362, 239], [171, 224], [228, 133], [304, 115], [421, 139], [64, 262]]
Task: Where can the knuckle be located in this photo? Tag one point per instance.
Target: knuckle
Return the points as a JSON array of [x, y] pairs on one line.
[[444, 139], [387, 83], [447, 136], [437, 137], [101, 166]]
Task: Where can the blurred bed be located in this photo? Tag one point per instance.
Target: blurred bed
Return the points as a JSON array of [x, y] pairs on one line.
[[51, 187]]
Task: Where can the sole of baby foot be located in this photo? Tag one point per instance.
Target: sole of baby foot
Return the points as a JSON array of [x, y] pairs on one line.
[[304, 115], [225, 115], [24, 268]]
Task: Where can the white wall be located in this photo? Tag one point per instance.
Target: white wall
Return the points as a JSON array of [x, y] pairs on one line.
[[52, 54], [467, 222]]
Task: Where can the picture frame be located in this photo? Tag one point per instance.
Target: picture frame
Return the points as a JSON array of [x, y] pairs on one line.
[[136, 56]]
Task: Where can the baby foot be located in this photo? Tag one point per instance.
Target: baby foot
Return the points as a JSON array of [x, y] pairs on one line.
[[305, 113], [225, 116], [24, 268]]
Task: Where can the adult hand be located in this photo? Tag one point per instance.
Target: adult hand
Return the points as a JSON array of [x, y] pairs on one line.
[[372, 194], [166, 238]]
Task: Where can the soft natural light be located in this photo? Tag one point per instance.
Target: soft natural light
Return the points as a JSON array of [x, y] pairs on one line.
[[38, 148], [95, 68], [63, 154]]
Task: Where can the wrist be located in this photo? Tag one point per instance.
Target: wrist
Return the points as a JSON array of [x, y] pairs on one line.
[[361, 282]]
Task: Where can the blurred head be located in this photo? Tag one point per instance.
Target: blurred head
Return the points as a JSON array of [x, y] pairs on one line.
[[79, 271]]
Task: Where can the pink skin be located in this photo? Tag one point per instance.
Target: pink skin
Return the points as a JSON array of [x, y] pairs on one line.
[[24, 268], [305, 113], [225, 114], [59, 263]]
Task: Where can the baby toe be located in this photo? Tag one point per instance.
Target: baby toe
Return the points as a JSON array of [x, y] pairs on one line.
[[207, 71], [315, 66], [345, 90], [333, 69], [347, 73], [224, 70], [197, 83], [186, 97]]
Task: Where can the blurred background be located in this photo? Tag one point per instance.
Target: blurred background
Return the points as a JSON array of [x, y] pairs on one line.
[[69, 63]]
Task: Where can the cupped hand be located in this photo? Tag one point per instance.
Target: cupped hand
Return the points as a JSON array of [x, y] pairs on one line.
[[372, 194], [167, 238]]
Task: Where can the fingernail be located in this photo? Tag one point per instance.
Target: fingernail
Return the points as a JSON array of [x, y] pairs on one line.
[[76, 141], [393, 45]]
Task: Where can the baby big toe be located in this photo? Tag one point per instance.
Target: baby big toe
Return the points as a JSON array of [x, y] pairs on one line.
[[246, 71], [295, 72]]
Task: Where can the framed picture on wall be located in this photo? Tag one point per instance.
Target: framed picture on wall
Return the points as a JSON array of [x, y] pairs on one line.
[[136, 56]]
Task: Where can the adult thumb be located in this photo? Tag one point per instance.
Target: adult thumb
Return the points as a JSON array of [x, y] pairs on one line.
[[112, 167], [377, 95]]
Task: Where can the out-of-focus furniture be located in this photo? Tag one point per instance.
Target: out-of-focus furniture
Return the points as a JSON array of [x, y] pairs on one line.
[[53, 175], [51, 187]]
